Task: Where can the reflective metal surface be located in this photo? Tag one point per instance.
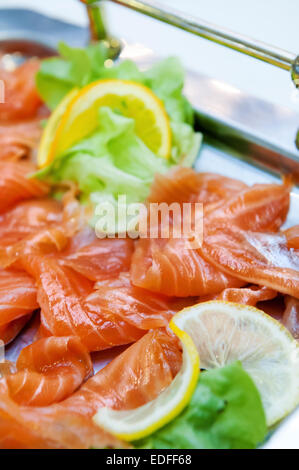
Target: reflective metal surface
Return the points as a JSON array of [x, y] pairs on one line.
[[25, 33], [29, 25], [245, 137], [263, 132]]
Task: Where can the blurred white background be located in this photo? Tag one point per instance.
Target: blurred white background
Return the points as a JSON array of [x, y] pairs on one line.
[[272, 21]]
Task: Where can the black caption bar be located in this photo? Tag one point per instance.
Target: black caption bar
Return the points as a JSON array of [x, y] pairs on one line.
[[140, 459]]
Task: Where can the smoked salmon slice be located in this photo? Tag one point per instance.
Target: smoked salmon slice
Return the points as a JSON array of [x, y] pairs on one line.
[[23, 254], [137, 307], [80, 239], [27, 337], [133, 378], [64, 311], [258, 258], [28, 427], [238, 239], [102, 258], [18, 295], [28, 217], [15, 186], [9, 331], [260, 208], [292, 237], [19, 139], [182, 184], [49, 370], [167, 266], [250, 295], [21, 98], [114, 314]]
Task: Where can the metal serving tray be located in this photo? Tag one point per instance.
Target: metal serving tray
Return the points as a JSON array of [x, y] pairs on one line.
[[244, 137]]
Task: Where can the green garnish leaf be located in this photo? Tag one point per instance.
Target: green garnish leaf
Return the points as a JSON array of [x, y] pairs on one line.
[[225, 412], [75, 67], [112, 159]]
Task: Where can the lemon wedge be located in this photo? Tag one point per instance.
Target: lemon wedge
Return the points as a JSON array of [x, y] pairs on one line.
[[144, 420], [45, 153], [224, 332], [80, 116]]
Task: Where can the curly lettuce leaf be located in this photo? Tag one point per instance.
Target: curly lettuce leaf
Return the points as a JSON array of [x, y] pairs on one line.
[[225, 412], [166, 79], [112, 159], [75, 67], [185, 144]]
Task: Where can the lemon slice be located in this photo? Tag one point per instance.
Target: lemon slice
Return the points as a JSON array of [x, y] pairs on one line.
[[224, 332], [45, 154], [131, 99], [144, 420]]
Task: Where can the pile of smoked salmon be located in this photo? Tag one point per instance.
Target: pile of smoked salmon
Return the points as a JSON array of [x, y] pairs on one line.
[[80, 295]]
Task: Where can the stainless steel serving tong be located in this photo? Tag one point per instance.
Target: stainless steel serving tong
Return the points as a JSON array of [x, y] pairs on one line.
[[270, 54]]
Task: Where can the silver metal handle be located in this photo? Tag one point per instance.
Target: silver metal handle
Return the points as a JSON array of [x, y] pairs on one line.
[[260, 50]]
